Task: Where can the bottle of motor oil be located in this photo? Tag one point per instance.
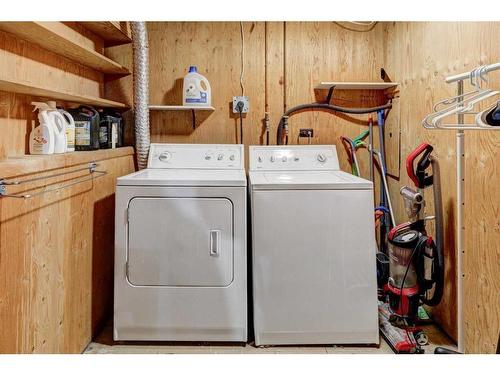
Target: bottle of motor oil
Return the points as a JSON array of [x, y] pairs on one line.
[[110, 129], [86, 128]]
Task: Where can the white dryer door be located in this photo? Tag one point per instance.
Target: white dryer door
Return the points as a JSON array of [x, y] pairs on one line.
[[180, 242]]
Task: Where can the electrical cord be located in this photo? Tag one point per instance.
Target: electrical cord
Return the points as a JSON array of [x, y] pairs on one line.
[[239, 107], [242, 54], [370, 25]]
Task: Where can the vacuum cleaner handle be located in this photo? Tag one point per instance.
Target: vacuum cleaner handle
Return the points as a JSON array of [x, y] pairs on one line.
[[418, 175]]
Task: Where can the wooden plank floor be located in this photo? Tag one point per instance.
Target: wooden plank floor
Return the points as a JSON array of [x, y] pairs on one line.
[[104, 344]]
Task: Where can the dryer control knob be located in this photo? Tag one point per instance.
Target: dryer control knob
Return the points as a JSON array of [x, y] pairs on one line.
[[220, 157], [321, 158], [165, 156], [273, 159], [231, 157], [259, 159]]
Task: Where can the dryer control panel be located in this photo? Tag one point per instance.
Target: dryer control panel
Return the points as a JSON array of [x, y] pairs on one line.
[[195, 156], [290, 158]]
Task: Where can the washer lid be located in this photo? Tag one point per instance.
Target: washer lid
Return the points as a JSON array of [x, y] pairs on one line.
[[306, 180], [184, 177]]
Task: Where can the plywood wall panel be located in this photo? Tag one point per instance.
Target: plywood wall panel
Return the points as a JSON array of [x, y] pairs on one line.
[[326, 51], [428, 53]]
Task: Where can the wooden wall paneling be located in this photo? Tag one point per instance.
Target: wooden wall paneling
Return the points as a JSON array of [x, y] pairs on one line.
[[326, 51], [274, 77], [431, 51], [482, 213], [215, 48]]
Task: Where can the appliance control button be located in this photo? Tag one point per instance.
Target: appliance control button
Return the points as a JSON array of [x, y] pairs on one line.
[[273, 159], [231, 157], [321, 158], [296, 158], [220, 157], [165, 156], [259, 159], [284, 159], [208, 157]]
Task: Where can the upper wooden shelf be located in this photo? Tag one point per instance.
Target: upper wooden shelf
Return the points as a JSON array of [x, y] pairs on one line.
[[180, 108], [53, 37], [33, 90], [356, 85], [111, 32]]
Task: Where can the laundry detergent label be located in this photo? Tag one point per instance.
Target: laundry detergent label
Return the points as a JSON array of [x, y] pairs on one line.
[[201, 99], [82, 133]]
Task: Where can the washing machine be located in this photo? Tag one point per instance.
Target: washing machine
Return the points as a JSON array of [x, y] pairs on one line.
[[313, 249], [180, 246]]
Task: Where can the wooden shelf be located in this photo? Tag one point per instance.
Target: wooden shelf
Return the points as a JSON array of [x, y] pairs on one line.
[[29, 164], [356, 85], [180, 108], [111, 32], [27, 88], [53, 37]]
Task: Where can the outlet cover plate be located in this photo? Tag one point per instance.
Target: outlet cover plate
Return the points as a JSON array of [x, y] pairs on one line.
[[246, 102]]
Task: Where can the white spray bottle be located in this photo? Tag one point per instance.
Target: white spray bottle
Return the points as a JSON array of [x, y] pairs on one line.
[[59, 124], [42, 138]]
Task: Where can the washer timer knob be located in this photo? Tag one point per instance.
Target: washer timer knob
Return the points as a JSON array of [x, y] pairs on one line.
[[165, 156], [273, 159], [321, 158]]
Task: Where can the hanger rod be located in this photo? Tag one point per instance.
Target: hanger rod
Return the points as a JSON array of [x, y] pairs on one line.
[[466, 75]]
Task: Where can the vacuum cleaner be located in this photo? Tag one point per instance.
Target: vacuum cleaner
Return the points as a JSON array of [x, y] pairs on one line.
[[416, 261]]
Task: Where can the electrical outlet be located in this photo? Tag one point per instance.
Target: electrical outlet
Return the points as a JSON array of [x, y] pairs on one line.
[[306, 133], [246, 104]]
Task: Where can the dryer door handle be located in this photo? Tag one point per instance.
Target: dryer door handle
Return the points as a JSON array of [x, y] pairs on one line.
[[214, 242]]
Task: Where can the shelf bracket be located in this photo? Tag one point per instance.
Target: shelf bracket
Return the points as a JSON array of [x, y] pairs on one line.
[[193, 116], [330, 94]]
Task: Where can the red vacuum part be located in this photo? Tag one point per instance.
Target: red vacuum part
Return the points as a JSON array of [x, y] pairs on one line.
[[423, 148], [402, 300]]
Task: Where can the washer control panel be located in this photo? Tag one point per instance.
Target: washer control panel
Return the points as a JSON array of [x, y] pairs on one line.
[[196, 156], [300, 158]]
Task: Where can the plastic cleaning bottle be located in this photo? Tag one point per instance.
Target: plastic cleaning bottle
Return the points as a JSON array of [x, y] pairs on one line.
[[59, 124], [196, 89], [42, 139], [70, 130]]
